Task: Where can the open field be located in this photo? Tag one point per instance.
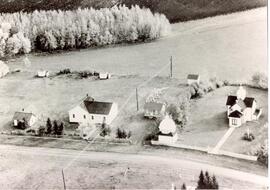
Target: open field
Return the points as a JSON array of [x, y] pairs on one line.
[[175, 10], [208, 122], [223, 46], [205, 46], [40, 168]]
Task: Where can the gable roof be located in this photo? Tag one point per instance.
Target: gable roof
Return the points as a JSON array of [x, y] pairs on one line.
[[151, 106], [236, 114], [249, 101], [193, 76], [22, 115], [94, 107], [231, 100]]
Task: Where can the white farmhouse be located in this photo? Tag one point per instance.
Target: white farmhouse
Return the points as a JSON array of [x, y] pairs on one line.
[[167, 131], [241, 109], [154, 109], [90, 111], [193, 78]]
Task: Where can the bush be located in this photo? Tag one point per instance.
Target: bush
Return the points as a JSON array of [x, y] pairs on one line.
[[85, 74], [122, 134], [260, 80], [105, 130], [248, 137], [41, 131], [179, 112], [64, 72], [262, 154]]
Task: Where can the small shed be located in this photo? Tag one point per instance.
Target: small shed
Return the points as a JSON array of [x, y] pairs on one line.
[[23, 119], [154, 109], [4, 69], [193, 78], [104, 76], [43, 74]]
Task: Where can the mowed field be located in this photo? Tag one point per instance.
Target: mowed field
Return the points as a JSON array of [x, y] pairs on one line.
[[230, 47]]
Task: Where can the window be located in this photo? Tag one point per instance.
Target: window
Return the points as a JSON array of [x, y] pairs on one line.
[[92, 117], [73, 115], [234, 121], [84, 116]]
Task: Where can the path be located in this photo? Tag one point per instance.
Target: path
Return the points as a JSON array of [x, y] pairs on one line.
[[215, 150]]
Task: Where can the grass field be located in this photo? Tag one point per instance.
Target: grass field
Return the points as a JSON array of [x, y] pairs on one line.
[[175, 10]]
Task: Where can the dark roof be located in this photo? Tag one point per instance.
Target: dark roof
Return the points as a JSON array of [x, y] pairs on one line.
[[22, 115], [151, 106], [236, 113], [249, 101], [193, 76], [231, 100], [94, 107]]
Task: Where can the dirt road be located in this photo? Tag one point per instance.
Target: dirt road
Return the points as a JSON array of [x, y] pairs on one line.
[[31, 167]]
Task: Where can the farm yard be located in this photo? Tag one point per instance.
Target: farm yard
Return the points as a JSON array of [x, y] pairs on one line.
[[208, 122], [205, 46]]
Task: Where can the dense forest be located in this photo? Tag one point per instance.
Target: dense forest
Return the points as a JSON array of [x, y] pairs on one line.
[[174, 10], [23, 32]]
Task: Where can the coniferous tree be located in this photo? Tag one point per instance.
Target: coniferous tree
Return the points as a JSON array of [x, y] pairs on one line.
[[214, 182], [60, 128], [183, 186], [49, 126], [55, 127], [201, 182], [207, 180]]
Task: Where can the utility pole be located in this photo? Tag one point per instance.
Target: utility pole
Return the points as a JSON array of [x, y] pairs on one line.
[[137, 99], [63, 179], [171, 68]]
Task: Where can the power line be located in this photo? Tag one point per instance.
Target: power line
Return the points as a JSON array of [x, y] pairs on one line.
[[63, 176]]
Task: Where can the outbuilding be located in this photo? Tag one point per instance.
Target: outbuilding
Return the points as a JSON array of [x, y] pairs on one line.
[[193, 78], [23, 120], [43, 73], [167, 131], [154, 109], [104, 76]]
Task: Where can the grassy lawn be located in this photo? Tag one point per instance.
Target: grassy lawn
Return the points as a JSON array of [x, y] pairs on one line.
[[258, 128], [208, 122]]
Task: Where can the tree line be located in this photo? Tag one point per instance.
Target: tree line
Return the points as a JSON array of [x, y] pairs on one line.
[[63, 30]]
